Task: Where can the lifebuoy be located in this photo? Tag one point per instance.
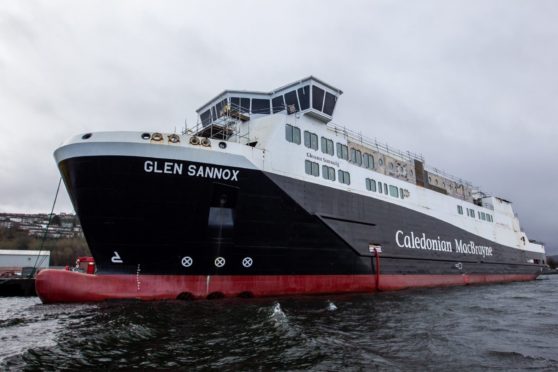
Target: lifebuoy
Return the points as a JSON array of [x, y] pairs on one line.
[[194, 140]]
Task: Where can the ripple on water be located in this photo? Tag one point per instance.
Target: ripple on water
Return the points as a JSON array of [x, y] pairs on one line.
[[510, 326]]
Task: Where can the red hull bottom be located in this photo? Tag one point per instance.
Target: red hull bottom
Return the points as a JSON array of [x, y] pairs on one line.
[[54, 286]]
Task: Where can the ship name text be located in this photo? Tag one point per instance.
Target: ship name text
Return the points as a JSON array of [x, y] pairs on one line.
[[321, 158], [192, 170], [413, 241]]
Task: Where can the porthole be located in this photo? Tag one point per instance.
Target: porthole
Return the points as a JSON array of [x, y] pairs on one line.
[[222, 145], [86, 136], [145, 136]]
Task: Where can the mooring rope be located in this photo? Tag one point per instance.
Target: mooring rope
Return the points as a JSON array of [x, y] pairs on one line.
[[47, 226]]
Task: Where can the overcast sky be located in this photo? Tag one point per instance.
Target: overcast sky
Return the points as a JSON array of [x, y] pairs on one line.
[[472, 85]]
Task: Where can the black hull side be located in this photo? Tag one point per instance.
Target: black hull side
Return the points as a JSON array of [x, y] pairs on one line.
[[286, 226]]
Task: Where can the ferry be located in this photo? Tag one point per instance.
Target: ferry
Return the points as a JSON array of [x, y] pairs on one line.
[[267, 196]]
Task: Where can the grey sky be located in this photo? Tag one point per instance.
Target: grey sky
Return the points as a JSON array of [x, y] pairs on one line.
[[471, 85]]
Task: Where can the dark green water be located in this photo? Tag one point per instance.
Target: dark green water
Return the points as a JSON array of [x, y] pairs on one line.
[[497, 327]]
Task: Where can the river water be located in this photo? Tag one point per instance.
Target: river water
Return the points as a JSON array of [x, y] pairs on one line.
[[510, 326]]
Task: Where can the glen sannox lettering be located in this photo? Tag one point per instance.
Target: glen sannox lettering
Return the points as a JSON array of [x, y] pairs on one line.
[[169, 167]]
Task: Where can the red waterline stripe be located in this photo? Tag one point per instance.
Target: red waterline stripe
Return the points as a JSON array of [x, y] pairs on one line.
[[65, 286]]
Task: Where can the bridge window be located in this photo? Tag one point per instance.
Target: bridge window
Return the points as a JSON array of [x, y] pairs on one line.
[[312, 168], [304, 97], [292, 102], [260, 106], [310, 140], [317, 98], [278, 104], [292, 134], [327, 146], [329, 103], [239, 104], [205, 118]]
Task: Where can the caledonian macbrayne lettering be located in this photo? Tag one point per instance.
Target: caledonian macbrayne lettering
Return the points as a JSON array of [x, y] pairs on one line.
[[413, 241], [192, 170]]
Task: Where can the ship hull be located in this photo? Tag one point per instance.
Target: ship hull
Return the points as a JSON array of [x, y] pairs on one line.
[[163, 227], [58, 286]]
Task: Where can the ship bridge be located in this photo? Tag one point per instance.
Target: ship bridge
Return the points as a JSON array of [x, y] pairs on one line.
[[309, 96]]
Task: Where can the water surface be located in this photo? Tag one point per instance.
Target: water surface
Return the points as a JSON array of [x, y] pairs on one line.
[[499, 327]]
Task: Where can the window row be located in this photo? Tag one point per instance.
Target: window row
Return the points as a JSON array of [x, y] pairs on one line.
[[384, 188], [313, 169], [471, 213], [236, 104], [299, 100]]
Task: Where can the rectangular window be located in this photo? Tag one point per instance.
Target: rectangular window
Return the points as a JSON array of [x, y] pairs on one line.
[[260, 106], [331, 172], [370, 184], [310, 140], [245, 105], [205, 118], [459, 209], [315, 169], [292, 134], [380, 187], [385, 188], [329, 104], [277, 104], [304, 97], [483, 216], [220, 107], [344, 177], [327, 146], [393, 191], [328, 173], [312, 168], [292, 102], [317, 98], [342, 151], [368, 161], [401, 195], [356, 156], [296, 135]]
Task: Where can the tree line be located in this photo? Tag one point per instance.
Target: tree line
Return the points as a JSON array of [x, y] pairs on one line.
[[62, 251]]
